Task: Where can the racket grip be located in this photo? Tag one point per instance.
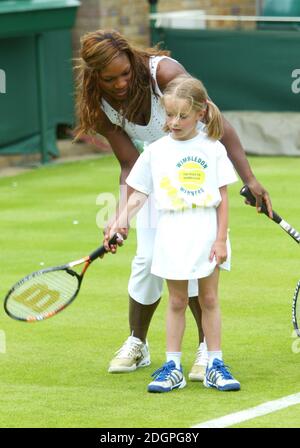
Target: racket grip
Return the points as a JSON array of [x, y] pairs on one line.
[[101, 250], [245, 191]]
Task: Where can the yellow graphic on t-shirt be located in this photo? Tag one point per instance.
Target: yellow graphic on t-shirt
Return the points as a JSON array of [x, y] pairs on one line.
[[189, 188], [191, 176], [172, 192]]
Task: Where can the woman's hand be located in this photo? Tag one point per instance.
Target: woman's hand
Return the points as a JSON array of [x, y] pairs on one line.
[[219, 252], [261, 195]]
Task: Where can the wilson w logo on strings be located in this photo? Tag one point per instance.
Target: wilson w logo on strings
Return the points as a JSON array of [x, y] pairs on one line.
[[38, 297]]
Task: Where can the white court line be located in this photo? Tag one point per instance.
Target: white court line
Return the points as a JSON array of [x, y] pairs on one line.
[[248, 414]]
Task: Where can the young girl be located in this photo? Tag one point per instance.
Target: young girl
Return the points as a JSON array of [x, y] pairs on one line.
[[188, 171]]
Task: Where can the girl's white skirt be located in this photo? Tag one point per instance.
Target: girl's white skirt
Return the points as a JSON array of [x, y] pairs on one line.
[[183, 243]]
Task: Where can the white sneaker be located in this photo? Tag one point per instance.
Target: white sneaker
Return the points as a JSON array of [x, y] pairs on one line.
[[219, 376], [167, 378], [197, 372], [133, 354]]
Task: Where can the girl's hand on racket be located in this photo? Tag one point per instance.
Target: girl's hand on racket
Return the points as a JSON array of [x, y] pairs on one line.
[[261, 195], [219, 252], [109, 232]]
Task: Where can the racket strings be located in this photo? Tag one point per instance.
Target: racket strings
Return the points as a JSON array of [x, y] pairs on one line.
[[296, 309], [42, 294]]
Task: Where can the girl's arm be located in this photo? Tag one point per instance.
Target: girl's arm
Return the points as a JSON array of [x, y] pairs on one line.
[[122, 221], [219, 249]]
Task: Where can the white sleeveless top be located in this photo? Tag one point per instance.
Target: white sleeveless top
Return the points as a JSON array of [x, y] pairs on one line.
[[153, 130]]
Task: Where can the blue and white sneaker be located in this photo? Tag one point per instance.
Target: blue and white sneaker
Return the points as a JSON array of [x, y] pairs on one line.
[[218, 376], [167, 378]]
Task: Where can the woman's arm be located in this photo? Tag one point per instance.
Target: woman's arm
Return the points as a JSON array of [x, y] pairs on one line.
[[167, 70], [238, 157], [219, 249], [126, 153], [122, 146]]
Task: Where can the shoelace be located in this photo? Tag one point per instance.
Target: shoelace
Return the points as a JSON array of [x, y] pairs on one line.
[[130, 348], [163, 372], [223, 370], [201, 357]]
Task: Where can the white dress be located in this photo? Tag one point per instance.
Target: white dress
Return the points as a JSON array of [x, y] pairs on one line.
[[185, 177]]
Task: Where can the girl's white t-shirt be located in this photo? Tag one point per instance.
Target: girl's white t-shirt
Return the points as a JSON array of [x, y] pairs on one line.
[[183, 173]]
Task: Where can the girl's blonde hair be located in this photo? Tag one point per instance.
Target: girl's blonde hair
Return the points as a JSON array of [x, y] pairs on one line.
[[192, 89], [98, 49]]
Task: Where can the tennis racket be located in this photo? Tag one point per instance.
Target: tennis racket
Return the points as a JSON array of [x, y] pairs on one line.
[[296, 237], [296, 310], [245, 191], [46, 292]]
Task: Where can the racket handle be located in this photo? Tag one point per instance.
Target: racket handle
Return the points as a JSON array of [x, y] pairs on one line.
[[245, 191], [101, 250]]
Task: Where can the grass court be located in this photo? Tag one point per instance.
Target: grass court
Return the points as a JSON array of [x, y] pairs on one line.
[[54, 373]]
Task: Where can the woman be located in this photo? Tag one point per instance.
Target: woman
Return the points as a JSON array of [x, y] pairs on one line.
[[118, 93]]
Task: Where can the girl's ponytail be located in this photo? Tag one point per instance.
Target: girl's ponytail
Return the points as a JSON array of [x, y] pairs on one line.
[[214, 121]]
